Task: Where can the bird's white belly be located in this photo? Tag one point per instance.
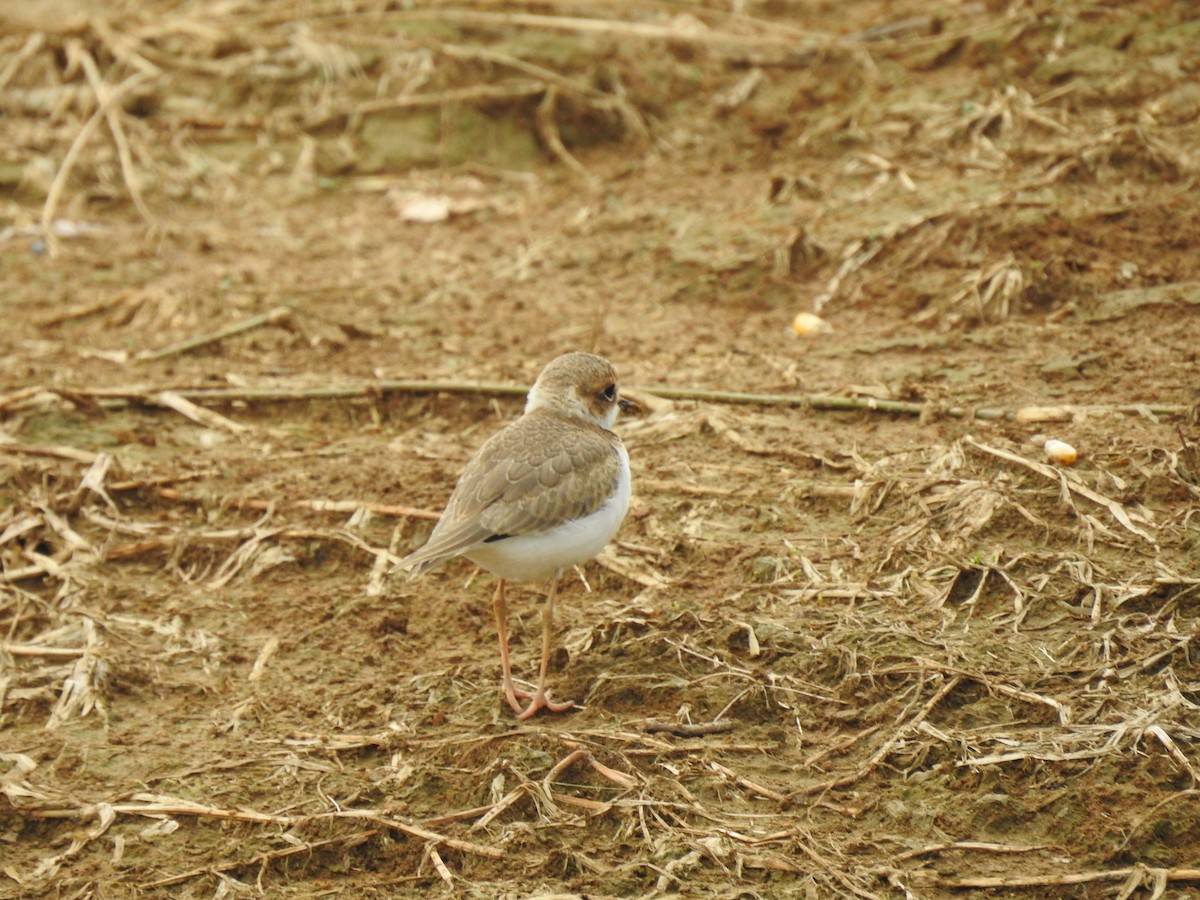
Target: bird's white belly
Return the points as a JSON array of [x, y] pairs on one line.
[[531, 557]]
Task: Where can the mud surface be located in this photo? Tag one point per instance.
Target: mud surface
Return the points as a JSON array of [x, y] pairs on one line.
[[859, 635]]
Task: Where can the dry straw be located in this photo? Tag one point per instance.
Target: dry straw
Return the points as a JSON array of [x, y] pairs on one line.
[[973, 641]]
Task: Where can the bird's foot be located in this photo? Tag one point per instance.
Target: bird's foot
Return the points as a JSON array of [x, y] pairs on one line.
[[539, 699]]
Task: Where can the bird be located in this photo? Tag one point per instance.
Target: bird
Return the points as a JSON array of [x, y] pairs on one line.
[[545, 493]]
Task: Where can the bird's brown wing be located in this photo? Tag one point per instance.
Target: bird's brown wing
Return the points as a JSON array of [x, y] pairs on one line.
[[538, 472]]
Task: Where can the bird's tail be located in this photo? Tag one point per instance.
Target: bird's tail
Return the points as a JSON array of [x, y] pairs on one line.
[[418, 563]]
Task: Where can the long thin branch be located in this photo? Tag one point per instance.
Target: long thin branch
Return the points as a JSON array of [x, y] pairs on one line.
[[497, 389]]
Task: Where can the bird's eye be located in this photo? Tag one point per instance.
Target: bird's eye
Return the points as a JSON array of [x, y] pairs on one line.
[[609, 393]]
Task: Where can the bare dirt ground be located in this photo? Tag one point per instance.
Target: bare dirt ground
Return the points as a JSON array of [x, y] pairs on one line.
[[859, 636]]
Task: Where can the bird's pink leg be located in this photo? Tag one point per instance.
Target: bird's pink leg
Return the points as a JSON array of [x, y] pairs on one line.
[[501, 609], [540, 699]]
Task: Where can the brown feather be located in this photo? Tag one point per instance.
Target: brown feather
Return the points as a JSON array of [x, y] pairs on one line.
[[542, 470]]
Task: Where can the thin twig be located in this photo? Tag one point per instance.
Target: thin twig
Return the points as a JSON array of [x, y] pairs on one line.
[[983, 846], [40, 650], [260, 859], [752, 786], [199, 414], [82, 310], [33, 44], [158, 805], [454, 96], [74, 454], [271, 317], [627, 29], [68, 164], [549, 76], [335, 506], [690, 729], [1116, 509], [886, 748], [547, 129], [417, 831], [1002, 881], [113, 117]]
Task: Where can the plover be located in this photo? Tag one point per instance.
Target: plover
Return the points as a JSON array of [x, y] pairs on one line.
[[545, 493]]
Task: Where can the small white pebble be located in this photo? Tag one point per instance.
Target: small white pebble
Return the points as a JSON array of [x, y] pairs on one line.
[[807, 325], [1060, 452]]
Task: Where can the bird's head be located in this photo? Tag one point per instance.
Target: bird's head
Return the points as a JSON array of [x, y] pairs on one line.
[[579, 384]]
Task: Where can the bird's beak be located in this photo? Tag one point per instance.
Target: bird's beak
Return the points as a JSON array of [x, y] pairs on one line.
[[630, 407]]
